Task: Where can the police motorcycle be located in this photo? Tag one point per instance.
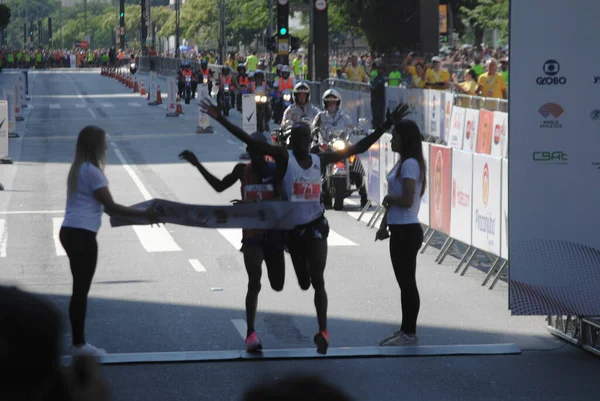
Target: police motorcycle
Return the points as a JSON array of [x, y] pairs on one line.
[[132, 66], [225, 95], [283, 99], [262, 102], [187, 89]]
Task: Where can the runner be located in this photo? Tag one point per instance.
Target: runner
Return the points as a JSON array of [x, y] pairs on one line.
[[260, 181], [87, 197], [307, 243]]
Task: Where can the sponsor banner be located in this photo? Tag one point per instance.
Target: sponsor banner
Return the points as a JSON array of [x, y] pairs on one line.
[[424, 210], [394, 96], [387, 162], [446, 105], [504, 217], [456, 134], [417, 100], [484, 132], [440, 170], [3, 129], [9, 95], [253, 215], [172, 94], [462, 196], [500, 136], [154, 88], [470, 131], [554, 160], [373, 174], [18, 101], [72, 61], [487, 185], [203, 118], [249, 113], [434, 111]]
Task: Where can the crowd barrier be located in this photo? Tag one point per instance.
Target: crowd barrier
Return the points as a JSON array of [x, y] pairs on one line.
[[14, 91]]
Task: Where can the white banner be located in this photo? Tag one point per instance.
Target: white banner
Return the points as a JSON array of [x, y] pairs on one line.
[[462, 196], [456, 134], [394, 96], [434, 113], [249, 113], [153, 87], [446, 116], [470, 131], [18, 102], [203, 118], [253, 215], [554, 174], [500, 133], [424, 209], [9, 95], [387, 162], [487, 187], [504, 218], [172, 96], [3, 129], [417, 100], [73, 61]]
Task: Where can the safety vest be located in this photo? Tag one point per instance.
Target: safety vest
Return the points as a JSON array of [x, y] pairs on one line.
[[226, 80], [187, 73], [243, 80], [205, 72], [285, 84]]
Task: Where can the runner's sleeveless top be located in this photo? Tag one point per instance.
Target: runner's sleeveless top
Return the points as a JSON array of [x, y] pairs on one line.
[[303, 187], [258, 189]]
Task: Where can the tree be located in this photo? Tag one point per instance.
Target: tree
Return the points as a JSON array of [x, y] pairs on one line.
[[4, 16], [488, 14]]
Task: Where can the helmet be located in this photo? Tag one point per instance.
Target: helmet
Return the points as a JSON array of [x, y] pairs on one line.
[[332, 95], [225, 69], [241, 67], [186, 64], [204, 63], [259, 73], [301, 87], [285, 71]]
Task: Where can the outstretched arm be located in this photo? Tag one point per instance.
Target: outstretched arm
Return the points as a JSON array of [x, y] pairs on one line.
[[218, 185]]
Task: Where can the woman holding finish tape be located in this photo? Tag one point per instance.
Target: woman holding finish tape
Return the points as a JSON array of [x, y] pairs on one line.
[[406, 186], [307, 243], [87, 197]]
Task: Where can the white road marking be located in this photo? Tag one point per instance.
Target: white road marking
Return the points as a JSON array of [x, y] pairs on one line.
[[197, 265], [92, 113], [241, 327], [54, 105], [153, 239], [233, 235], [335, 239], [34, 212], [80, 106], [135, 105], [107, 105], [3, 238], [56, 223]]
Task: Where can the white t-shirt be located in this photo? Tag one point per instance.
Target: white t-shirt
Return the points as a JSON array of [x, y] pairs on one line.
[[399, 215], [83, 209]]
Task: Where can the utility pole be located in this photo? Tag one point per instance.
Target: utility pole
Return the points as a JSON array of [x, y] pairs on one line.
[[223, 40], [85, 24], [177, 51], [143, 28]]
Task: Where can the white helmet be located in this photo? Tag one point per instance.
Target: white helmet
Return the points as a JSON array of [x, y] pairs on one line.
[[331, 95], [301, 87]]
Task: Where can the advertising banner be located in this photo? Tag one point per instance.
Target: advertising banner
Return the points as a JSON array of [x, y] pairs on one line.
[[394, 96], [9, 95], [487, 187], [249, 113], [470, 131], [373, 174], [440, 170], [462, 191], [500, 138], [154, 88], [456, 133], [172, 95], [554, 172], [434, 113], [424, 209], [18, 102], [504, 217], [203, 118], [446, 106], [3, 129], [417, 100], [484, 132]]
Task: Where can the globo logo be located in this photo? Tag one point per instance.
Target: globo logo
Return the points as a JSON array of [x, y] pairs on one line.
[[551, 69]]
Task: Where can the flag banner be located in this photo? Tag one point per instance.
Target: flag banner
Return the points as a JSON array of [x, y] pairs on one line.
[[275, 215]]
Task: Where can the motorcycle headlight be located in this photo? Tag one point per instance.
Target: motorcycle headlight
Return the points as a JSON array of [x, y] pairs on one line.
[[132, 65], [263, 99], [226, 88], [286, 98], [205, 80], [257, 99], [338, 144]]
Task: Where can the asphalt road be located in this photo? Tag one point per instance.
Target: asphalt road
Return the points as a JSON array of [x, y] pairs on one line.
[[182, 289]]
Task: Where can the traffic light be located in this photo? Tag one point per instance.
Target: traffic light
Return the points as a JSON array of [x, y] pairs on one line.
[[294, 43], [122, 12], [283, 12]]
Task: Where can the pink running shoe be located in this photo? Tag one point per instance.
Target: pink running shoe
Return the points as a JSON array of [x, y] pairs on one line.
[[253, 343]]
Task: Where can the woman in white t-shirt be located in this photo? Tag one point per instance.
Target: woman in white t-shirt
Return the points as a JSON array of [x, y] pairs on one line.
[[87, 197], [406, 186]]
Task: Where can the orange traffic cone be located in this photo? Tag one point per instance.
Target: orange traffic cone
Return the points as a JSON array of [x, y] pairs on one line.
[[158, 96], [178, 109], [135, 86], [143, 90]]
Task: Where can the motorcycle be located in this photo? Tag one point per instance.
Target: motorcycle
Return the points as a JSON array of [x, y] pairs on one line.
[[283, 103], [261, 99], [337, 183], [188, 89], [281, 136], [133, 68], [226, 99]]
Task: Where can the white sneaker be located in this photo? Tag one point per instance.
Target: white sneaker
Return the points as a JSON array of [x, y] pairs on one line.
[[400, 339], [88, 349]]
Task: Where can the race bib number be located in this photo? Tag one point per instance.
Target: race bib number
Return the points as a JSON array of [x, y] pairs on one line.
[[258, 192], [306, 190]]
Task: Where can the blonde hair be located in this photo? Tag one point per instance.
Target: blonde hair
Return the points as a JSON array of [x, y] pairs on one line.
[[91, 144]]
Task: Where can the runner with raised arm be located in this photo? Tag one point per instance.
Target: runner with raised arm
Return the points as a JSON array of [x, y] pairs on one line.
[[307, 243], [261, 180]]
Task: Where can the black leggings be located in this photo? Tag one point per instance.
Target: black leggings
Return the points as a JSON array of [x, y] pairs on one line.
[[82, 250], [405, 242]]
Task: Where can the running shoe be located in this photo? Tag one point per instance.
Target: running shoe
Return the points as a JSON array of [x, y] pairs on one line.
[[400, 339], [395, 334], [88, 349], [322, 342], [253, 343]]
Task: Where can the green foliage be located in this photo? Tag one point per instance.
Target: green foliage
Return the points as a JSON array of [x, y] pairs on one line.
[[4, 16], [489, 14]]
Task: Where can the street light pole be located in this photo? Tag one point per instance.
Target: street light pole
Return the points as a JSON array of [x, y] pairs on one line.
[[85, 24], [177, 54]]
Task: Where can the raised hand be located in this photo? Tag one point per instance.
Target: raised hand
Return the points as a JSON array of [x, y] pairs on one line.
[[206, 106], [394, 117], [190, 157]]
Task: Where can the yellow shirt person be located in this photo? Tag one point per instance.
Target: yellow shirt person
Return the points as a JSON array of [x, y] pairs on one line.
[[491, 85]]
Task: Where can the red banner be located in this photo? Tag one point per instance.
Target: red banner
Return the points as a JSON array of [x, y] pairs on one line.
[[440, 172]]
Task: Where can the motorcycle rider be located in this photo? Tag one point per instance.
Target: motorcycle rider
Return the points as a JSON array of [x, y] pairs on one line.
[[242, 84], [224, 79], [333, 118], [301, 108], [205, 70], [285, 82], [257, 80], [186, 71]]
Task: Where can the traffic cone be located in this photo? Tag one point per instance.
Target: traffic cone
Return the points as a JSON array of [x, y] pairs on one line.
[[178, 109], [158, 96], [143, 90], [135, 86]]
